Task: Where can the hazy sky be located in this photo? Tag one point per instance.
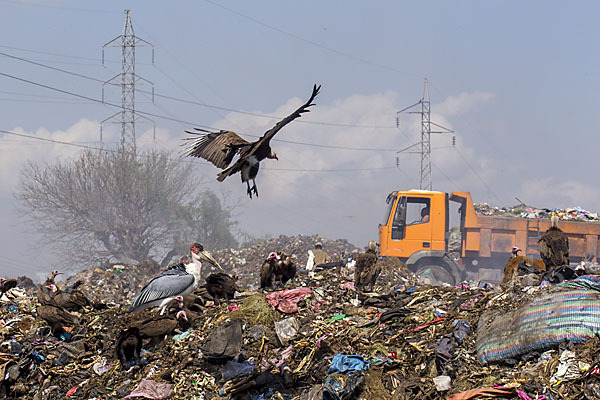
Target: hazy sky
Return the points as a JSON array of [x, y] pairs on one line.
[[517, 81]]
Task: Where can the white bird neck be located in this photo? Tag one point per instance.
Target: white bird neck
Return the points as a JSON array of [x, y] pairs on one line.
[[194, 268]]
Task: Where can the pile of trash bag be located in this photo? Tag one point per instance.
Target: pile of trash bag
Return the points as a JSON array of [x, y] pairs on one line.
[[522, 211]]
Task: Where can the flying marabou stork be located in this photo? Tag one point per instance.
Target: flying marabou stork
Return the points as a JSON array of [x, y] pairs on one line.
[[220, 147], [178, 280]]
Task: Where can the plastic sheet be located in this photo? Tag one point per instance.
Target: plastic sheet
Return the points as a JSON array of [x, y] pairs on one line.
[[343, 364]]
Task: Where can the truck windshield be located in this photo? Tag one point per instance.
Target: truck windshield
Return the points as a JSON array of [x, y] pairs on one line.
[[390, 203]]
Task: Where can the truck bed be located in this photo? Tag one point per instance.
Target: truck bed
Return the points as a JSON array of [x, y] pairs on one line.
[[495, 234]]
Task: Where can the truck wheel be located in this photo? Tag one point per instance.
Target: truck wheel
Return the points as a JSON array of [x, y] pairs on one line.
[[433, 273]]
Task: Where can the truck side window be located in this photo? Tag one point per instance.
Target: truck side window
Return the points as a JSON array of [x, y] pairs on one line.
[[417, 210], [399, 222]]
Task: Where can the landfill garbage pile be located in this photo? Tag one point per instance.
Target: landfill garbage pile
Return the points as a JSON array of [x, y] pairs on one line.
[[316, 338], [245, 262], [523, 211], [117, 283]]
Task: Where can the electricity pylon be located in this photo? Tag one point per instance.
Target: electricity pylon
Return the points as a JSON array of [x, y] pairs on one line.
[[425, 179], [127, 80]]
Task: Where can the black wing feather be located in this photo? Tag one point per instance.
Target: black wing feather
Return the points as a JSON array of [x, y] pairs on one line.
[[218, 148], [301, 110]]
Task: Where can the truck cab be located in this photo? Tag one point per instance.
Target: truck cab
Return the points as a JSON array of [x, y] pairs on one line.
[[425, 229]]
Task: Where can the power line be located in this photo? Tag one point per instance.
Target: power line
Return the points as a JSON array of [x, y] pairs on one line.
[[313, 43], [202, 103], [275, 117], [21, 3], [44, 101], [78, 144], [51, 67], [182, 121], [479, 176], [97, 60], [330, 170], [441, 171]]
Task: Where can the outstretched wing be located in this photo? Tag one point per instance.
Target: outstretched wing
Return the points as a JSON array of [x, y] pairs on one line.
[[302, 109], [217, 147]]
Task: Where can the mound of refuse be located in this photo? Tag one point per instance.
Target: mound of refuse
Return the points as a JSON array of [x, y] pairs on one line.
[[522, 211], [316, 338]]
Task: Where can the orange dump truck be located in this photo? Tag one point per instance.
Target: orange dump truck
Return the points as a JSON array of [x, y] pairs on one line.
[[440, 237]]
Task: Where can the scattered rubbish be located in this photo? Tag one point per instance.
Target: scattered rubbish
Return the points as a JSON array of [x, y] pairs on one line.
[[318, 339], [286, 329], [442, 383], [342, 364], [233, 369], [149, 389]]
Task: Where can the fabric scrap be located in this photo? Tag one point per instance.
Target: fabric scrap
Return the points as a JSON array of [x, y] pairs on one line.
[[483, 393], [343, 364], [150, 389], [287, 300]]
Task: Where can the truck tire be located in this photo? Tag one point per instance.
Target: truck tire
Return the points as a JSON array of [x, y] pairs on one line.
[[436, 272]]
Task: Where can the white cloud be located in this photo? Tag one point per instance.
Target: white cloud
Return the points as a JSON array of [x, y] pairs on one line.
[[462, 103], [15, 150], [310, 189], [293, 196], [552, 192]]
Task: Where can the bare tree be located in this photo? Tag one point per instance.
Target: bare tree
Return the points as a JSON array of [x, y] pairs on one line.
[[114, 206]]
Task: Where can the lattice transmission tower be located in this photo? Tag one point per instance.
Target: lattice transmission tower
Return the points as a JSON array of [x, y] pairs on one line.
[[425, 179], [127, 79]]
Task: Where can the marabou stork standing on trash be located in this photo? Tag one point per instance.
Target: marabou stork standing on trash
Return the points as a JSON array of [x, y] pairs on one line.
[[178, 280]]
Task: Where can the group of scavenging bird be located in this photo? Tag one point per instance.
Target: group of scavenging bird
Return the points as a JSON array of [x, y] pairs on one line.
[[180, 298], [178, 294]]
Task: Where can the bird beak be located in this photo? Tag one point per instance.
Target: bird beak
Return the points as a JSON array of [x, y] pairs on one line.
[[210, 259]]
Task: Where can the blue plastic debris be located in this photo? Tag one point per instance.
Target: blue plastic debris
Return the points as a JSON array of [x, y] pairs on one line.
[[181, 336], [461, 330], [232, 369], [336, 390], [343, 364]]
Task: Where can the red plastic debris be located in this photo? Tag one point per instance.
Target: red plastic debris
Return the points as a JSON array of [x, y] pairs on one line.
[[436, 321]]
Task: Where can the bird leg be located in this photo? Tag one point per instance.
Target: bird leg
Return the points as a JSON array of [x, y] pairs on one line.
[[249, 191], [254, 189]]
